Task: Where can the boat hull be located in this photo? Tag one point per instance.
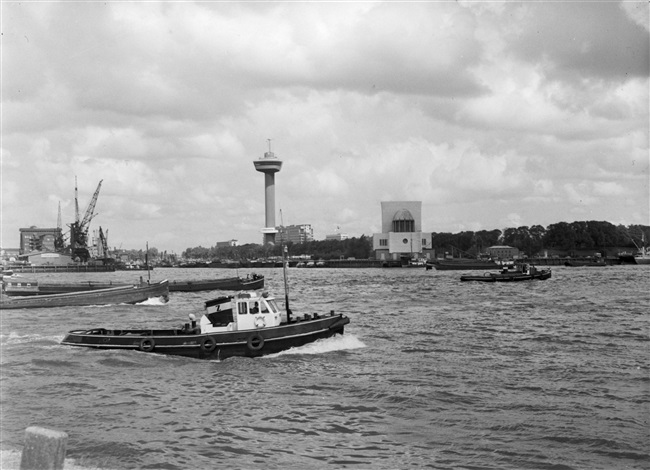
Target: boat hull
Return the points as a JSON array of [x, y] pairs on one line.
[[463, 265], [233, 283], [511, 277], [585, 264], [115, 295], [216, 346], [21, 288]]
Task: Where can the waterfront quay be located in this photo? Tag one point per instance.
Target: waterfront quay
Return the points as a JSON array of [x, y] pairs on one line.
[[375, 263]]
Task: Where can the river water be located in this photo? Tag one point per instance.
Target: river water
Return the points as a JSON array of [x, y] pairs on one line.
[[431, 373]]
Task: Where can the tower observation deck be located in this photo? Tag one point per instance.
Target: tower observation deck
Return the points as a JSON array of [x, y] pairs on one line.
[[269, 165]]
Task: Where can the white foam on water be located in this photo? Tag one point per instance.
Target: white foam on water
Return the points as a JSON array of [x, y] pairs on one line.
[[335, 343], [15, 338], [153, 301]]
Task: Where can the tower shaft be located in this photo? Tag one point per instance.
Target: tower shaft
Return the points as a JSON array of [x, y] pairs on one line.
[[269, 165]]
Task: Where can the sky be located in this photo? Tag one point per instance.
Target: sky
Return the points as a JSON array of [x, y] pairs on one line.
[[492, 114]]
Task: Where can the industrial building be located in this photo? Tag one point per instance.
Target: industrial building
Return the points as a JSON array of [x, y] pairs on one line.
[[503, 252], [337, 236], [34, 239], [49, 258], [296, 233], [402, 237], [227, 244]]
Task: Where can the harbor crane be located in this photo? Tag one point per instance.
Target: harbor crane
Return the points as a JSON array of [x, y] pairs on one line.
[[79, 229]]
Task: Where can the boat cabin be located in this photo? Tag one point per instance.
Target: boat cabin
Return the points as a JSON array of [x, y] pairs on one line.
[[20, 286], [243, 311]]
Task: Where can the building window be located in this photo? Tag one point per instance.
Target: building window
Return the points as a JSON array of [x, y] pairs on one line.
[[403, 221], [383, 242], [404, 226]]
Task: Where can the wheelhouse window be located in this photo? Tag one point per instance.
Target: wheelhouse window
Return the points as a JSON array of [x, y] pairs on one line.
[[242, 308], [273, 306]]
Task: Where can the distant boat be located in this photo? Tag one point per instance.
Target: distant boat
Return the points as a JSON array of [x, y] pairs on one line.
[[463, 264], [643, 257], [520, 273], [115, 295], [586, 263], [231, 283], [245, 324], [5, 273]]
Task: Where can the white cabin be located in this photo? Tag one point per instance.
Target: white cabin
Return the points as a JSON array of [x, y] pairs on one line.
[[243, 311]]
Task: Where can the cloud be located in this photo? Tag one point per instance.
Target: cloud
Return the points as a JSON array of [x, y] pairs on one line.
[[478, 109]]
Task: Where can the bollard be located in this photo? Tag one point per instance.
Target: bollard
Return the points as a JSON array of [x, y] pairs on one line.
[[44, 449]]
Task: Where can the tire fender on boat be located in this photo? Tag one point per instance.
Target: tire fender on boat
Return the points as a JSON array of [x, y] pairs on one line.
[[208, 344], [147, 345], [255, 342]]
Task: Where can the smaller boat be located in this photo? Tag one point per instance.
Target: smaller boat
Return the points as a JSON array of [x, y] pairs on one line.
[[131, 294], [457, 264], [253, 282], [512, 274], [643, 257], [5, 273], [245, 324], [596, 263]]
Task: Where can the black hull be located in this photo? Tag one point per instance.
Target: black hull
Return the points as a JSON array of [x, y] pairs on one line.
[[217, 284], [215, 346], [115, 295], [508, 277], [51, 289], [464, 265]]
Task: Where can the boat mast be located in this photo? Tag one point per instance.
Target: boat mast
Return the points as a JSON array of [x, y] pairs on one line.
[[146, 260], [286, 285], [285, 261]]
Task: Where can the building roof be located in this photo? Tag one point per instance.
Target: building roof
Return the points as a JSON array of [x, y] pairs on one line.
[[403, 214]]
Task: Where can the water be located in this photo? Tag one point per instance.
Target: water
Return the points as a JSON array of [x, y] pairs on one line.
[[431, 373]]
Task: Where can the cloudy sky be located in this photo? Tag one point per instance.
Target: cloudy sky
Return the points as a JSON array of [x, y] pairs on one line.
[[492, 114]]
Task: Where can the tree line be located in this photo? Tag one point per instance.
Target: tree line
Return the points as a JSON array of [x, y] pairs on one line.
[[563, 237], [360, 248]]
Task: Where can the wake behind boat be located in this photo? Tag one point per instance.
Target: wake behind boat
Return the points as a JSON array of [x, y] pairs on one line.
[[245, 324], [130, 294], [511, 274], [253, 282]]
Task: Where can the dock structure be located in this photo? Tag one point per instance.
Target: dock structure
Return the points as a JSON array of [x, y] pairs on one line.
[[44, 449]]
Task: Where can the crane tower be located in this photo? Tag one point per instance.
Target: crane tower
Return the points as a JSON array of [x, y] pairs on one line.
[[79, 228]]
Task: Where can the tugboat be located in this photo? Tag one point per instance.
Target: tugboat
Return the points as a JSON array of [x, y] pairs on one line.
[[245, 324]]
